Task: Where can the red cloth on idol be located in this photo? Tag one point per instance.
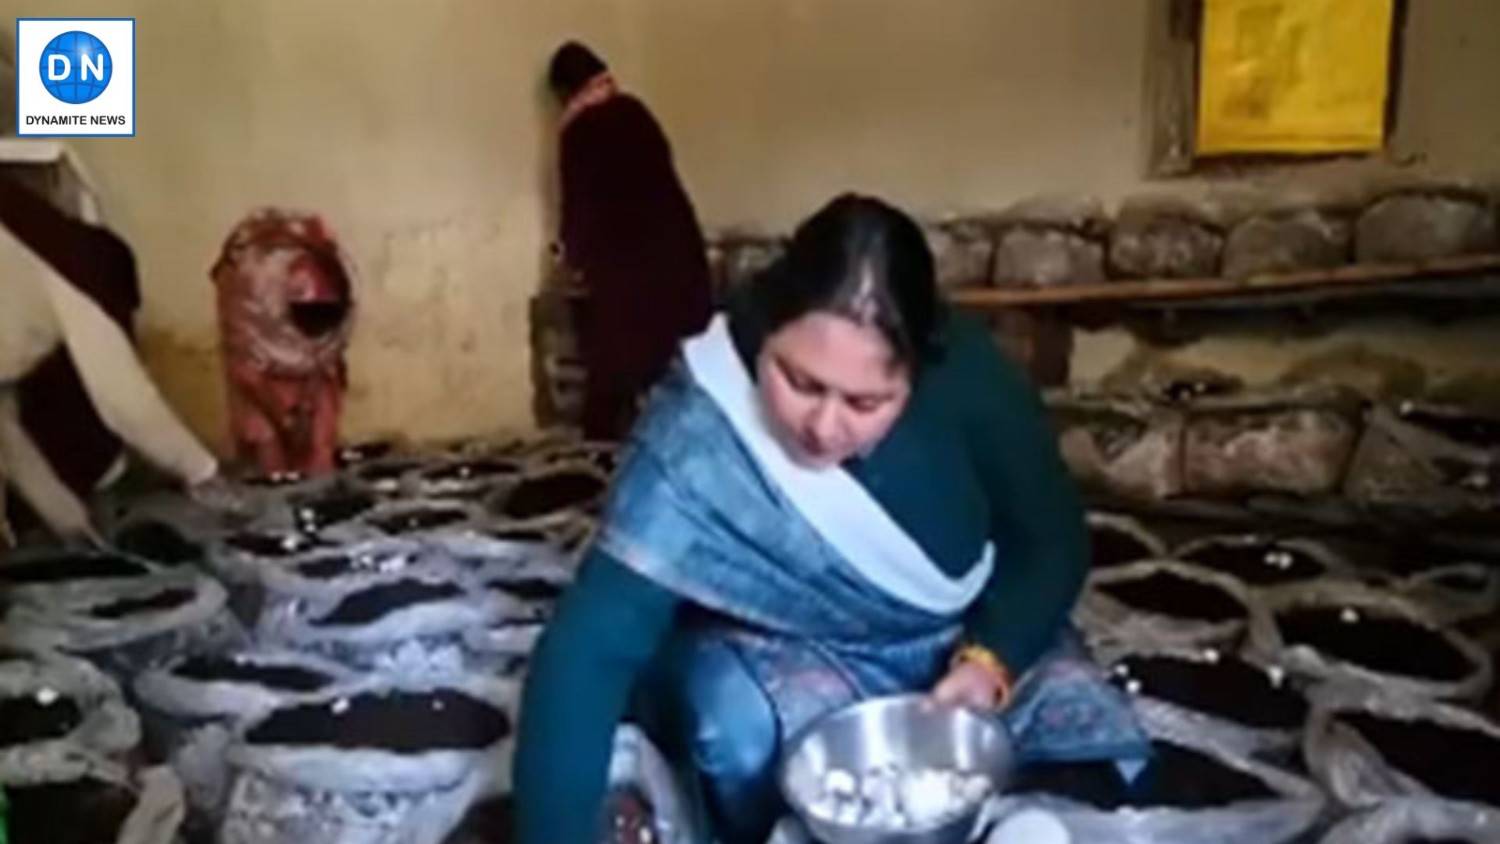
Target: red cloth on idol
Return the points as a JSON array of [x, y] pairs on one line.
[[286, 299]]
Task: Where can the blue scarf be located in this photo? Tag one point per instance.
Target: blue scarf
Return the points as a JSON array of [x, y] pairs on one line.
[[695, 510]]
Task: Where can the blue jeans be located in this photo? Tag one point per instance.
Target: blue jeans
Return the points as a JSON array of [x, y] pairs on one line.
[[700, 704]]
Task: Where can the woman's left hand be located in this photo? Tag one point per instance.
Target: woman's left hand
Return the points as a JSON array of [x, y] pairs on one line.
[[972, 684]]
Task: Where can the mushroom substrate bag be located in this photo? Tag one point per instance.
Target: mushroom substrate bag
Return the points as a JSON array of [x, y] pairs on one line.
[[385, 764]]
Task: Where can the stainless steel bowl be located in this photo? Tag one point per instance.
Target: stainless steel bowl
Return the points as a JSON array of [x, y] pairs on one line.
[[907, 731]]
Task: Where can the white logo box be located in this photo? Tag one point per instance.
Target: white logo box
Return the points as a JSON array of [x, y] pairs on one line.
[[41, 115]]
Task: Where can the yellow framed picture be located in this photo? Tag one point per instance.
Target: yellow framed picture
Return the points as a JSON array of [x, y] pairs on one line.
[[1293, 76]]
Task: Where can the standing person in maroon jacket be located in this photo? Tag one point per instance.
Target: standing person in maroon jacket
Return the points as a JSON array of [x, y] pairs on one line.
[[629, 231]]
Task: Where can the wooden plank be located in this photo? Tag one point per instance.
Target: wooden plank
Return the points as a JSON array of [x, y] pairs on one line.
[[1039, 342], [1479, 293], [1369, 277], [1171, 87]]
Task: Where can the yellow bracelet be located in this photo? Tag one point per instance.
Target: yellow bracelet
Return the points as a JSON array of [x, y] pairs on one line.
[[986, 658]]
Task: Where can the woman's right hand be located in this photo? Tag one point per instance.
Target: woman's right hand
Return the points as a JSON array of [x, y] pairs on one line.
[[972, 685], [976, 679]]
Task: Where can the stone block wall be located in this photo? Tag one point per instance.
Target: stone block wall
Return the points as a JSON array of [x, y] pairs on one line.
[[1058, 241], [1046, 242]]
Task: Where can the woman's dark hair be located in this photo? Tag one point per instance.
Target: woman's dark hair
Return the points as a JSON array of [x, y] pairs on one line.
[[573, 65], [861, 259]]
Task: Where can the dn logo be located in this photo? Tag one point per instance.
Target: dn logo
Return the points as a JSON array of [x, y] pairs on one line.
[[76, 67]]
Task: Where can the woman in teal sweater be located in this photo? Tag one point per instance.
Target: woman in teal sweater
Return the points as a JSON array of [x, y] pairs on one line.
[[842, 492]]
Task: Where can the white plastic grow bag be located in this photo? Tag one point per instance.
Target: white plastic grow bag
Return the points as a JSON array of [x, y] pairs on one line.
[[191, 721], [1353, 770], [1106, 621], [1241, 739], [338, 795], [1293, 811], [126, 645], [298, 587], [1153, 547], [1332, 563], [1397, 821], [1438, 589], [107, 727], [427, 636], [155, 818], [1267, 642]]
